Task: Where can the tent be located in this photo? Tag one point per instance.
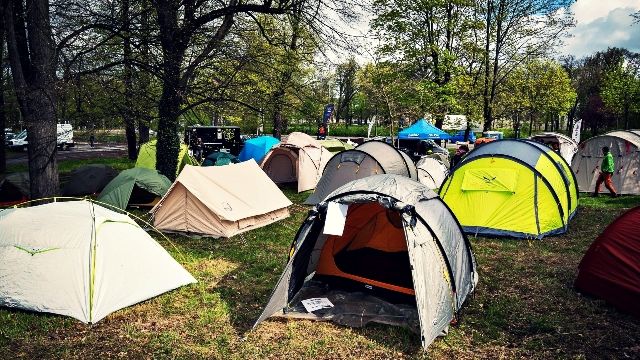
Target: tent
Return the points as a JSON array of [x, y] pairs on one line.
[[369, 158], [80, 259], [219, 158], [14, 188], [335, 145], [147, 156], [135, 187], [610, 269], [88, 180], [257, 148], [566, 146], [401, 259], [516, 188], [300, 158], [625, 148], [422, 130], [431, 172], [220, 201]]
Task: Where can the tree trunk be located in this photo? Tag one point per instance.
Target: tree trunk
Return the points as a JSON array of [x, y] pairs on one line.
[[485, 94], [3, 118], [32, 58], [168, 145], [127, 113]]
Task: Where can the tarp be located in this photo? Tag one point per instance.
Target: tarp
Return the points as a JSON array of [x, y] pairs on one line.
[[219, 158], [257, 148], [88, 179], [428, 251], [147, 156], [423, 130], [610, 269], [220, 201], [144, 184], [80, 259]]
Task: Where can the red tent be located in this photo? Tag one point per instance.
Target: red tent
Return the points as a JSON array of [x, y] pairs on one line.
[[610, 269]]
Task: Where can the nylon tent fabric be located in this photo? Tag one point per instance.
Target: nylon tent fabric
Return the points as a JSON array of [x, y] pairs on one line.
[[422, 231], [220, 201], [335, 145], [369, 158], [257, 148], [147, 156], [219, 159], [431, 172], [81, 260], [88, 179], [141, 184], [422, 130], [525, 191], [610, 269], [299, 158], [14, 188], [567, 147], [625, 148]]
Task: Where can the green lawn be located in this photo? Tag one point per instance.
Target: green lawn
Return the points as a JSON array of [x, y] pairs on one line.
[[524, 306]]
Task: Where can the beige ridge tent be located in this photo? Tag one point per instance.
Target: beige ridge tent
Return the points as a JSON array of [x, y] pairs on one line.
[[300, 158], [625, 148], [220, 201], [370, 158], [431, 172]]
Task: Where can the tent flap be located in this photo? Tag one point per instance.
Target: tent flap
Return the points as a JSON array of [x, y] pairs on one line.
[[490, 179]]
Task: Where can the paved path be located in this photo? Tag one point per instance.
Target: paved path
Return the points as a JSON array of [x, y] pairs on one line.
[[78, 152]]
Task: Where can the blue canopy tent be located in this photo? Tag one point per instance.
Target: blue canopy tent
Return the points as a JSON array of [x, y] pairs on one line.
[[422, 130], [257, 148]]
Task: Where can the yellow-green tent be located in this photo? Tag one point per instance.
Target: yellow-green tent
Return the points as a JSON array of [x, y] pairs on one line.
[[515, 188], [335, 145], [147, 156]]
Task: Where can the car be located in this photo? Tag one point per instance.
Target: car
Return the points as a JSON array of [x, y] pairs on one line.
[[459, 137]]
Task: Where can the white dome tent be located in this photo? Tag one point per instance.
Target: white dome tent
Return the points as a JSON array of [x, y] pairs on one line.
[[431, 172]]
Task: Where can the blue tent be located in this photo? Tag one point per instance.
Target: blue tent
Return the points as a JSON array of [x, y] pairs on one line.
[[257, 148], [422, 130]]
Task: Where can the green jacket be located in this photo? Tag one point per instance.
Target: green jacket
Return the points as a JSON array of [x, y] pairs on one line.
[[607, 163]]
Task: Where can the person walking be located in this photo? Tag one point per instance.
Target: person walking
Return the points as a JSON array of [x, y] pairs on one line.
[[606, 172]]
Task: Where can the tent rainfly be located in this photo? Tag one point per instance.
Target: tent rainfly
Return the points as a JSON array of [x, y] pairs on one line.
[[625, 148], [220, 201], [370, 158], [89, 179], [14, 188], [566, 146], [517, 188], [300, 158], [147, 156], [135, 187], [335, 145], [257, 148], [400, 259], [610, 269], [431, 172], [80, 260]]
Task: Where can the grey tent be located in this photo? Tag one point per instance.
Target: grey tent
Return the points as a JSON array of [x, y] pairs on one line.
[[370, 158], [625, 148], [89, 179], [431, 171], [14, 188], [401, 259]]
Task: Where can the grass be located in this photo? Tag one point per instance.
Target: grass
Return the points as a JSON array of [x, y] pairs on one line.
[[524, 307]]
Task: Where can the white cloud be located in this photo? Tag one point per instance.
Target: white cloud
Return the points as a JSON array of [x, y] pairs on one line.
[[602, 24]]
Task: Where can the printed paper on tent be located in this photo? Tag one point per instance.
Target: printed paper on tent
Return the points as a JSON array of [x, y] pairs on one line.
[[336, 217]]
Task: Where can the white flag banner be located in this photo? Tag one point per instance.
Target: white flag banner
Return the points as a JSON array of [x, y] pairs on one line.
[[370, 127], [575, 135]]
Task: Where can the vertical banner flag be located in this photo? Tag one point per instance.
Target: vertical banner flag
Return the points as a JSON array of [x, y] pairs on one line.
[[328, 111], [575, 135], [373, 121]]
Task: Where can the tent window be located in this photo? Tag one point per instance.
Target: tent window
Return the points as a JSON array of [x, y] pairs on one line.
[[490, 179], [352, 156]]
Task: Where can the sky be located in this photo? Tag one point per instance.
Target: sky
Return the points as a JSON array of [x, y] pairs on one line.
[[601, 24]]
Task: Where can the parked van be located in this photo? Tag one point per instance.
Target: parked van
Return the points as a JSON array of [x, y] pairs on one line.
[[64, 139]]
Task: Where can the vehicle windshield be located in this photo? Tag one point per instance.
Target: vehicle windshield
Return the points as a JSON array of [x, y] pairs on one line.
[[21, 135]]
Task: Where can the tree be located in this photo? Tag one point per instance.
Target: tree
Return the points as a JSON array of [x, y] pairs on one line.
[[621, 90], [346, 81], [31, 52]]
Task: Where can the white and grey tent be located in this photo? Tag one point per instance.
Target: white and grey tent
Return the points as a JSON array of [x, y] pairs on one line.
[[431, 172], [370, 158], [566, 146], [625, 148], [80, 259], [401, 259]]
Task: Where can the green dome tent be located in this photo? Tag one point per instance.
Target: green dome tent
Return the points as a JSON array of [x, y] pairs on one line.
[[147, 156], [516, 188], [136, 186]]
